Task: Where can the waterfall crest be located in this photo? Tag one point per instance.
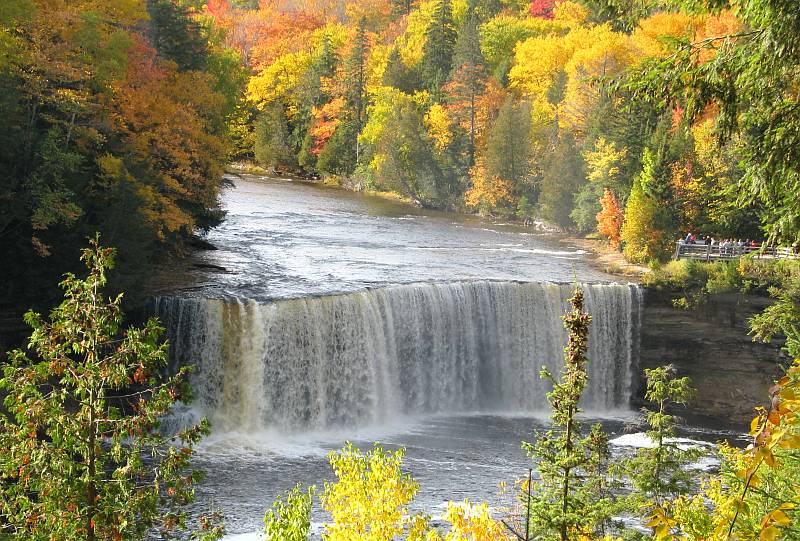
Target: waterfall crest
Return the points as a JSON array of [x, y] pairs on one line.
[[365, 357]]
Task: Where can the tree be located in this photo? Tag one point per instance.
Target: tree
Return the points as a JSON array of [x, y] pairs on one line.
[[569, 500], [289, 519], [563, 175], [176, 35], [508, 149], [369, 498], [402, 7], [648, 230], [398, 75], [659, 472], [750, 75], [272, 138], [542, 9], [609, 219], [468, 79], [440, 41], [81, 453], [355, 81], [408, 164]]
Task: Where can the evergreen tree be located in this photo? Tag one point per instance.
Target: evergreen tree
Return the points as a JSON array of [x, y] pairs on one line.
[[398, 75], [649, 226], [271, 136], [355, 80], [659, 472], [571, 500], [508, 149], [409, 165], [468, 79], [440, 41], [561, 180], [402, 7], [176, 35]]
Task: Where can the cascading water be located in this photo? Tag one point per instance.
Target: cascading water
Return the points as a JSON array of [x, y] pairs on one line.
[[365, 357]]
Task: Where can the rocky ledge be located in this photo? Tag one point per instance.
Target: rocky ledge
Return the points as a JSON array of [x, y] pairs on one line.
[[710, 344]]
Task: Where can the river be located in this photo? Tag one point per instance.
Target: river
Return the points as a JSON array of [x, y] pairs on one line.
[[343, 317]]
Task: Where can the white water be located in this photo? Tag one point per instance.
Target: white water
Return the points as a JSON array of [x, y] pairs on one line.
[[365, 358]]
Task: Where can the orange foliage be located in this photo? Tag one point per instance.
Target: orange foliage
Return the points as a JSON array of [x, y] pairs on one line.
[[609, 219], [286, 33], [162, 118], [326, 120]]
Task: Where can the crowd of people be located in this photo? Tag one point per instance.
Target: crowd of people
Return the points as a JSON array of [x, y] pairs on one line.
[[730, 247]]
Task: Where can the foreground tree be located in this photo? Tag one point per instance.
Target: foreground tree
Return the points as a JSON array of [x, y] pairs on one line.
[[659, 472], [81, 454], [571, 499]]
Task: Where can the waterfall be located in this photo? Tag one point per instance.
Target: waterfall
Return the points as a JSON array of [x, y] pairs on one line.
[[364, 357]]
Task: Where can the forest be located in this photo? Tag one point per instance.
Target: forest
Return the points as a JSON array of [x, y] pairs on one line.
[[638, 121]]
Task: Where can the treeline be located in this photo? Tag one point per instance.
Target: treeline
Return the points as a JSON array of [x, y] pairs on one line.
[[571, 111], [115, 118]]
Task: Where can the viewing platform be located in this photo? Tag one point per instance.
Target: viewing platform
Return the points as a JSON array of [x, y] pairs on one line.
[[719, 252]]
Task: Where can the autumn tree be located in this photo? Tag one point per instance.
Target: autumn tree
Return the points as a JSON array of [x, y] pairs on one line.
[[468, 79], [82, 452], [649, 230], [105, 133], [609, 219]]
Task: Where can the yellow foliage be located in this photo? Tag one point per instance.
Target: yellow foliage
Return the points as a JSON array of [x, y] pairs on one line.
[[438, 123], [650, 33], [472, 522], [570, 13], [368, 501], [537, 63], [487, 192], [382, 100], [599, 53], [602, 163], [413, 39], [278, 80]]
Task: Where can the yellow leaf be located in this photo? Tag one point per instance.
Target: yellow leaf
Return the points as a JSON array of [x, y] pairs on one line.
[[770, 533], [779, 517]]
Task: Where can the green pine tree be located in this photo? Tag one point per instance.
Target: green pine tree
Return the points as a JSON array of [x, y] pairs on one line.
[[440, 42], [508, 149], [572, 497]]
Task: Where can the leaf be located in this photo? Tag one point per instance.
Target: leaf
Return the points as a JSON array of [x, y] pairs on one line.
[[771, 533]]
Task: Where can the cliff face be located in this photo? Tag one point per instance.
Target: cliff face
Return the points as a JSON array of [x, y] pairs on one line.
[[710, 345]]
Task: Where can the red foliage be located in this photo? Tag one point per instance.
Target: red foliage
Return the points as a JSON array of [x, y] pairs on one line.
[[542, 9], [218, 8]]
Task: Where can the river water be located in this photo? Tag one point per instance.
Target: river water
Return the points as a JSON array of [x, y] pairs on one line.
[[342, 317]]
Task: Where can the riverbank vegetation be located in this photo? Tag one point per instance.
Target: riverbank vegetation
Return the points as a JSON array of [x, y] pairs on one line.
[[82, 453], [117, 119], [614, 118]]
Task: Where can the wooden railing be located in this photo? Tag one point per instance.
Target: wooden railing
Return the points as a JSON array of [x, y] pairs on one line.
[[717, 252]]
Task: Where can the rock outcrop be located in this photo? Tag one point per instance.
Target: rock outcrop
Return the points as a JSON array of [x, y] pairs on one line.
[[710, 344]]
